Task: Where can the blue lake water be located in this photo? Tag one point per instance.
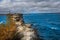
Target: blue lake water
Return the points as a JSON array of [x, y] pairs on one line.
[[47, 25]]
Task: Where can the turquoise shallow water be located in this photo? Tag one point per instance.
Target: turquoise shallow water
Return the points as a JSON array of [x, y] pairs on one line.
[[3, 19], [48, 25]]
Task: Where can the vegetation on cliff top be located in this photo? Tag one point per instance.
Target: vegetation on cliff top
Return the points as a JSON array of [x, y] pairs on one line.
[[7, 31]]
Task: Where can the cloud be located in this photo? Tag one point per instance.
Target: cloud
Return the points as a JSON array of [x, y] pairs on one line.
[[29, 6]]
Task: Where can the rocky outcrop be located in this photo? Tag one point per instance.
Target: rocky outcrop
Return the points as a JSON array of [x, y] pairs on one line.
[[24, 31], [16, 29]]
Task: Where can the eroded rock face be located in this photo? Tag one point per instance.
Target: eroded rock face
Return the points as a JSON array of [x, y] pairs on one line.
[[24, 31], [17, 29]]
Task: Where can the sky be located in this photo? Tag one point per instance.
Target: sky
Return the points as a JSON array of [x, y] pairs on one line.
[[30, 6]]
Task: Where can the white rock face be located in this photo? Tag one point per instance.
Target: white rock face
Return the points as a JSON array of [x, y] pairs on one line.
[[24, 29], [28, 34]]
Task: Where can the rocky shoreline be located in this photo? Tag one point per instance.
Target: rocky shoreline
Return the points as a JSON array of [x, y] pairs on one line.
[[21, 30]]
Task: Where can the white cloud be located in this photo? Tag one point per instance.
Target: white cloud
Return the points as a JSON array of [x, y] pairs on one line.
[[28, 6]]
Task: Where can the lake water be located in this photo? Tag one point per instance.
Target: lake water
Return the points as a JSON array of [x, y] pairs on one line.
[[47, 25]]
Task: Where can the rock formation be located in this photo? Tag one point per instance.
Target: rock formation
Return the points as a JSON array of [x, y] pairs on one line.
[[24, 31], [16, 29]]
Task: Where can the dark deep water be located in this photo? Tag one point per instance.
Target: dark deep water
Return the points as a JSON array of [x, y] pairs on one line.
[[48, 25]]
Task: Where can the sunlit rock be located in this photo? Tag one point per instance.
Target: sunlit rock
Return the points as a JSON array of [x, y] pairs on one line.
[[24, 31]]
